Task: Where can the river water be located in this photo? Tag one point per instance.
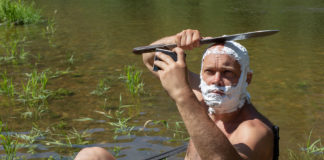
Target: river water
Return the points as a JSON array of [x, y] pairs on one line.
[[288, 74]]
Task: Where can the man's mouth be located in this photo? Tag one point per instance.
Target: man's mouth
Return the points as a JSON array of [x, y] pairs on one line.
[[219, 92]]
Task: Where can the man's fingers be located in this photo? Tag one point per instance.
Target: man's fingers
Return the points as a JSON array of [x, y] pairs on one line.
[[183, 39], [196, 38], [180, 54], [161, 64], [163, 57], [189, 39]]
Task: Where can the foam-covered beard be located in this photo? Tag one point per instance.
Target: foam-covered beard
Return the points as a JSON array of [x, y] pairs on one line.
[[234, 97]]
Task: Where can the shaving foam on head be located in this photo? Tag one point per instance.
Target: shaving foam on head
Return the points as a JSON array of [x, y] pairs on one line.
[[234, 96]]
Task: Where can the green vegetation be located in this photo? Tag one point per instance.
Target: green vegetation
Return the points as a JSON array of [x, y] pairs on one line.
[[35, 92], [6, 86], [133, 79], [9, 145], [17, 12], [312, 150], [178, 129], [120, 121], [14, 50], [102, 88]]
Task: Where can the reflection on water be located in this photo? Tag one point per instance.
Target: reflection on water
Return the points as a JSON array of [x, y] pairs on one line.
[[287, 83]]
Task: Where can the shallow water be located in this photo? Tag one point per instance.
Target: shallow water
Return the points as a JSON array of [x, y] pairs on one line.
[[288, 75]]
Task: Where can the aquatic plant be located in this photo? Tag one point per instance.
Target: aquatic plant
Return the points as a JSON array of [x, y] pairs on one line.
[[8, 143], [102, 88], [14, 50], [6, 85], [116, 150], [67, 139], [177, 129], [34, 94], [51, 25], [133, 79], [71, 60], [29, 140], [18, 13], [312, 150], [120, 121]]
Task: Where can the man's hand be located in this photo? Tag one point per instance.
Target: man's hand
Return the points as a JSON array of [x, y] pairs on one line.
[[173, 75], [188, 39]]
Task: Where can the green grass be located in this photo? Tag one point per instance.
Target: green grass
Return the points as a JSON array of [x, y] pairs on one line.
[[6, 85], [34, 91], [14, 50], [102, 88], [311, 151], [119, 120], [8, 143], [133, 79], [34, 94], [17, 12]]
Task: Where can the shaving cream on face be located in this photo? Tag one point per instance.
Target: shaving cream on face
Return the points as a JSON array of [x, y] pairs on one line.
[[234, 96]]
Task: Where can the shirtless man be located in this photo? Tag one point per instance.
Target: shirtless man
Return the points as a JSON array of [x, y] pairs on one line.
[[215, 106]]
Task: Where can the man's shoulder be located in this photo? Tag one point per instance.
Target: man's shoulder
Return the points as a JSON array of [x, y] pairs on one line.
[[254, 126], [256, 136]]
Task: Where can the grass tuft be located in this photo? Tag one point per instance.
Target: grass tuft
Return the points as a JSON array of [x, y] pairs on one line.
[[8, 143], [312, 150], [133, 79], [6, 85], [18, 13], [14, 50]]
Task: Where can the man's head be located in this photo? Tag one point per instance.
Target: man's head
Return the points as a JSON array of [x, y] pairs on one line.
[[224, 75]]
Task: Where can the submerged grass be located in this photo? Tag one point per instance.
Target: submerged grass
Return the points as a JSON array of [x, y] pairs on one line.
[[18, 12], [14, 50], [6, 85], [102, 88]]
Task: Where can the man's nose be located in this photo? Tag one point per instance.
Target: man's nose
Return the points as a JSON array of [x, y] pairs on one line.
[[217, 79]]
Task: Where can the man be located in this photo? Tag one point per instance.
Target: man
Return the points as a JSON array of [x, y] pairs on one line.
[[215, 106]]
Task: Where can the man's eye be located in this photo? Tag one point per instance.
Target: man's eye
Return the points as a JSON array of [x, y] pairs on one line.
[[229, 74], [208, 72]]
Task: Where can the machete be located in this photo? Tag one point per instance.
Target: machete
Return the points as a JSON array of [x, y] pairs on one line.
[[221, 39]]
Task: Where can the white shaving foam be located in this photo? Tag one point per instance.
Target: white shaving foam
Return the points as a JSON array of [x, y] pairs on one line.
[[234, 96]]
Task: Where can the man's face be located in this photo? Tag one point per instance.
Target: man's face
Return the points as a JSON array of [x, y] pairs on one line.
[[220, 70]]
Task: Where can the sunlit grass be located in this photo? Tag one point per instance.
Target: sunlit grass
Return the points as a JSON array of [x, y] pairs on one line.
[[8, 143], [18, 12], [34, 94], [311, 151], [119, 120], [133, 79]]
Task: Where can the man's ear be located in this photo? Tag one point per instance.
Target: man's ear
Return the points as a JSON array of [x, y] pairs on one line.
[[249, 77]]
